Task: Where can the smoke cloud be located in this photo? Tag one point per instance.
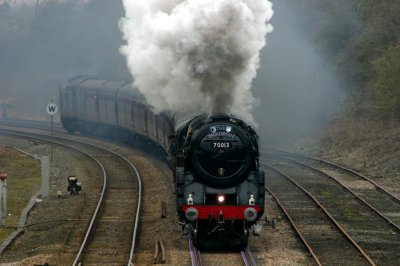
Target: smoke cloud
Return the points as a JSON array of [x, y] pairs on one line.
[[300, 92], [189, 55]]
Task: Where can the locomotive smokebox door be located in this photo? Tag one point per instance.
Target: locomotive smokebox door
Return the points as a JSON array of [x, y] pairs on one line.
[[73, 185]]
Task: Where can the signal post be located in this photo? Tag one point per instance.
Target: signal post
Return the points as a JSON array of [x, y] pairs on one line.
[[51, 110], [3, 199]]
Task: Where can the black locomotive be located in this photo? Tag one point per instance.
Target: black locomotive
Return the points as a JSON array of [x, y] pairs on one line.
[[220, 190], [219, 187]]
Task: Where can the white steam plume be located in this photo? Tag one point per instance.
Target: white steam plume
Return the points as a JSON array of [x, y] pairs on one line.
[[196, 55]]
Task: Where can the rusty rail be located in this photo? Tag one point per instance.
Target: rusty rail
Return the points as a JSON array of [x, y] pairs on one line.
[[328, 214], [159, 252], [380, 214], [295, 228]]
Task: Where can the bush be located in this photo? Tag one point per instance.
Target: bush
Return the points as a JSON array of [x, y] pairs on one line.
[[385, 83]]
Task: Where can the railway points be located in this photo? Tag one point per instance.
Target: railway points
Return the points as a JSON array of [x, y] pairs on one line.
[[320, 231], [354, 200]]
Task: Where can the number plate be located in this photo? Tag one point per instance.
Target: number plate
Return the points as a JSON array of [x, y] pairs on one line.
[[221, 145]]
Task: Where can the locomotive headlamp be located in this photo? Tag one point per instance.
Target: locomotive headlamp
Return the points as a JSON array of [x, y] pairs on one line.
[[252, 201], [190, 199], [192, 214], [250, 214], [221, 199]]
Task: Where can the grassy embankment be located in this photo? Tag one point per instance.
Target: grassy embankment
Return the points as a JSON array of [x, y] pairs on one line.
[[23, 181]]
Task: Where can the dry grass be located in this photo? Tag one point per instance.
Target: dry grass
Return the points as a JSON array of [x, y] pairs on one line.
[[23, 181], [371, 147]]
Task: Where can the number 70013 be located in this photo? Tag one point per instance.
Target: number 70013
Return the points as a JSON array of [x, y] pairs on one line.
[[221, 145]]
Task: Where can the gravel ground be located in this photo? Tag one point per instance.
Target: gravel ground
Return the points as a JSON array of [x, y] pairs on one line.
[[278, 246], [55, 239]]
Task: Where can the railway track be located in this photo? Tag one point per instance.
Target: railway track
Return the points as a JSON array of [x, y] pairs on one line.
[[384, 206], [363, 209], [195, 255], [319, 231], [248, 258], [197, 260], [30, 124], [384, 203], [326, 165], [109, 238], [111, 234]]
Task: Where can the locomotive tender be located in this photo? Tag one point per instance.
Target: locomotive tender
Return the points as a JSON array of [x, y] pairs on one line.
[[219, 187]]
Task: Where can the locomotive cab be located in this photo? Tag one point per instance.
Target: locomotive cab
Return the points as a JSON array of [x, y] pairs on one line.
[[220, 190]]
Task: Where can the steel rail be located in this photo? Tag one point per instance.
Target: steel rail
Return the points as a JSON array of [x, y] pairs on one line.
[[135, 229], [95, 216], [331, 218], [159, 256], [247, 257], [341, 167], [295, 228], [381, 215], [195, 255]]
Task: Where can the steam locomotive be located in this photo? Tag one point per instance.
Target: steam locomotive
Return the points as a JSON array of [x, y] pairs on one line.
[[215, 158], [220, 190]]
